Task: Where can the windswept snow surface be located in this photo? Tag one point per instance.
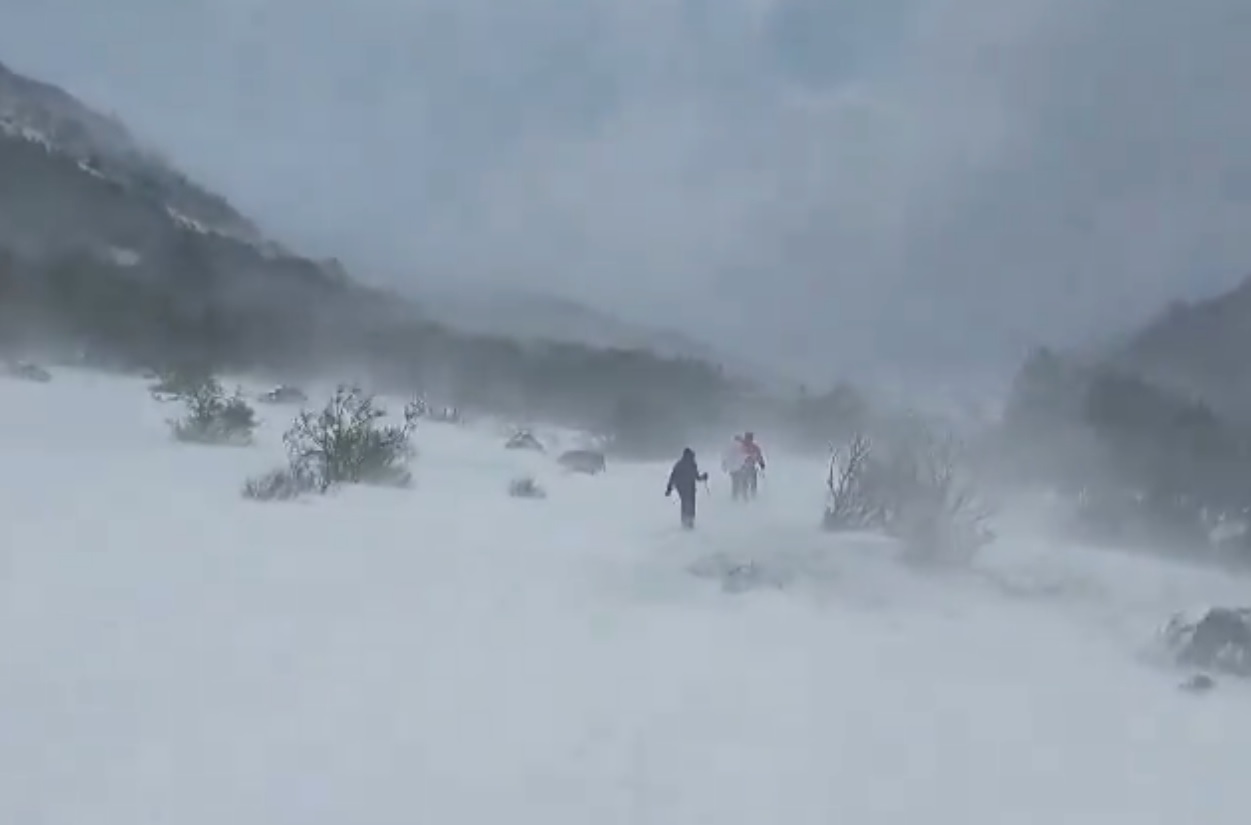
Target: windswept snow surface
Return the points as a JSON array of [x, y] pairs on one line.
[[173, 654]]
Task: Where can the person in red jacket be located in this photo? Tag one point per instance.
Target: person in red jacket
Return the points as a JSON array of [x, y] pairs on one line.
[[744, 464]]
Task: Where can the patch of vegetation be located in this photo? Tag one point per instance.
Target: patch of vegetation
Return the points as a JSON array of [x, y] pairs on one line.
[[213, 417], [1139, 464], [916, 490], [345, 443], [526, 487]]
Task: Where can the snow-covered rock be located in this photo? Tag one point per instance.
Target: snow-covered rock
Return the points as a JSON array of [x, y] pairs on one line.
[[583, 461], [1216, 639], [283, 394], [524, 440]]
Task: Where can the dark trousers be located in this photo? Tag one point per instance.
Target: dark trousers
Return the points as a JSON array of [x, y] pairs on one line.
[[688, 508]]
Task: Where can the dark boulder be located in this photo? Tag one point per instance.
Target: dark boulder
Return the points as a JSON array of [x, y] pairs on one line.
[[590, 462]]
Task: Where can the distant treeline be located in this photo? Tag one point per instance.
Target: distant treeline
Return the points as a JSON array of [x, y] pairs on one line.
[[1143, 462], [207, 302]]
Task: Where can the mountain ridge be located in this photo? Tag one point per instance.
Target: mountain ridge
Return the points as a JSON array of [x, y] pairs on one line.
[[33, 110]]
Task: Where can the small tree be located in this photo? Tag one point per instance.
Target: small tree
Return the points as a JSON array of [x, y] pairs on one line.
[[346, 443], [214, 418]]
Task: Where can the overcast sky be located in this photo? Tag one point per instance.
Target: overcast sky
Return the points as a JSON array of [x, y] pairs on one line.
[[922, 184]]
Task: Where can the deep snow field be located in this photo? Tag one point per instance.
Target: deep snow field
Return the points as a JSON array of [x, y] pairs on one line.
[[173, 654]]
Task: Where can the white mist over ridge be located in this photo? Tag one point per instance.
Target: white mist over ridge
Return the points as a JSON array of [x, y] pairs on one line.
[[833, 186]]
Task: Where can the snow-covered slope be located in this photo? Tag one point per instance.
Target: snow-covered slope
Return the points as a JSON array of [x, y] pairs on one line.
[[170, 653]]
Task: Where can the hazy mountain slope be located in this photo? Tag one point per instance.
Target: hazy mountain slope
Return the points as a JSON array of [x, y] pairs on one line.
[[42, 112], [100, 259], [76, 182], [62, 216]]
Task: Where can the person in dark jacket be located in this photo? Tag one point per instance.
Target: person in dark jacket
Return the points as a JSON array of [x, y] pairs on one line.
[[683, 477]]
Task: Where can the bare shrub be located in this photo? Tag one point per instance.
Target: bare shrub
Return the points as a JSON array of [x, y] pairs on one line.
[[852, 503], [346, 443], [213, 417], [939, 513], [526, 487], [913, 490]]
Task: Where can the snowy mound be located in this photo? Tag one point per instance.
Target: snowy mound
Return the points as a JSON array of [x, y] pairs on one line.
[[739, 575]]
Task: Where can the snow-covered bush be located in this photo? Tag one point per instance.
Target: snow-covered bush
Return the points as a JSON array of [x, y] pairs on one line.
[[215, 418], [524, 440], [419, 406], [913, 490], [347, 443], [526, 487]]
